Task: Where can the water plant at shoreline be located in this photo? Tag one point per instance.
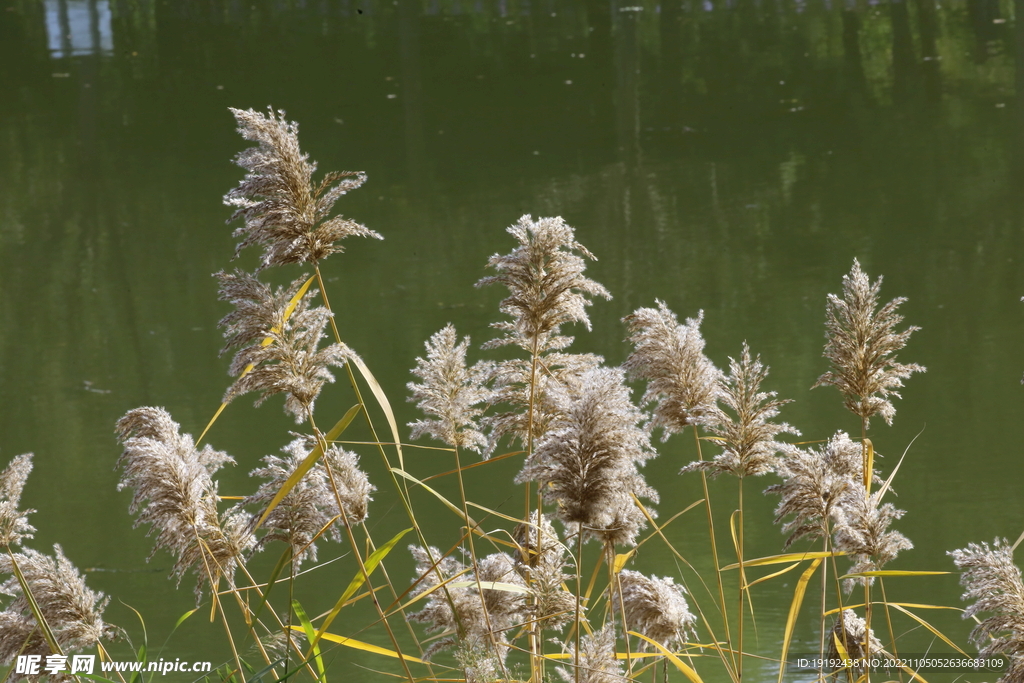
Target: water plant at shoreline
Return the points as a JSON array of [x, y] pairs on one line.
[[517, 598]]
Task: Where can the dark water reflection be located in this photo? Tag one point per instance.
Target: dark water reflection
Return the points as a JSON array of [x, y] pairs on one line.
[[732, 156]]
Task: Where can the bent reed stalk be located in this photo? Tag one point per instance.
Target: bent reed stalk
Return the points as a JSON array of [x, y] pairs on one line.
[[509, 601]]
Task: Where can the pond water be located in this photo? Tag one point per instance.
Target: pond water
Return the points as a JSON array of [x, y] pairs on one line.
[[730, 156]]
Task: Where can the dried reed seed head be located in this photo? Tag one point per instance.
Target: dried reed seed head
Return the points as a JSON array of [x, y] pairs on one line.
[[747, 432], [175, 494], [656, 608], [483, 617], [279, 343], [547, 288], [597, 662], [851, 631], [14, 526], [682, 384], [815, 483], [587, 462], [284, 211], [993, 582], [311, 507], [73, 612], [541, 561], [449, 391], [514, 383], [862, 345], [862, 531]]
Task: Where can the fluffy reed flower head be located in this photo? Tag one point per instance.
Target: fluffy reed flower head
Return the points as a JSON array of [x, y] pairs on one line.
[[862, 345], [597, 662], [749, 437], [311, 506], [542, 562], [993, 582], [682, 384], [587, 462], [851, 631], [73, 612], [656, 608], [174, 492], [14, 526], [815, 483], [284, 211], [290, 362], [862, 530], [483, 617], [547, 288], [449, 391]]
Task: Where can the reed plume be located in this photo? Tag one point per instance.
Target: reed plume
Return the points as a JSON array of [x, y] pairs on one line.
[[278, 345], [597, 662], [656, 608], [547, 289], [449, 391], [284, 210], [862, 345], [748, 434], [174, 492], [14, 526], [683, 385], [862, 531], [815, 482], [852, 631], [587, 462], [311, 507], [993, 582], [482, 618], [73, 612], [542, 563]]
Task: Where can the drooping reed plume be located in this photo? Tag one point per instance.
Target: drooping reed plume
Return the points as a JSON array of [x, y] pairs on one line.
[[746, 429], [862, 531], [450, 392], [284, 210], [174, 492], [862, 345], [543, 560], [73, 612], [814, 483], [311, 507], [655, 607], [14, 526], [682, 383], [596, 661], [852, 633], [547, 289], [291, 362], [586, 463], [482, 618], [993, 582]]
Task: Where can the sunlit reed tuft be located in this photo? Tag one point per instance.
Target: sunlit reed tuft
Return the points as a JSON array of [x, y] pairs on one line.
[[682, 383], [850, 630], [175, 494], [284, 210], [597, 662], [862, 531], [291, 362], [587, 462], [14, 526], [449, 391], [73, 612], [542, 563], [310, 507], [814, 483], [993, 582], [656, 608], [484, 622], [746, 430], [862, 345]]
